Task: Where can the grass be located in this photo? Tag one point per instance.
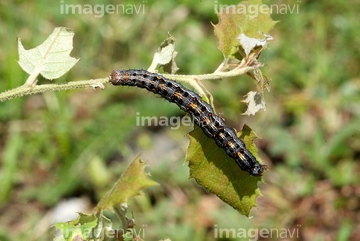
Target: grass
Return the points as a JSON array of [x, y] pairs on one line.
[[310, 136]]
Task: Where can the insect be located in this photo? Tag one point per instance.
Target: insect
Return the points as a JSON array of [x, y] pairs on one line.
[[201, 112]]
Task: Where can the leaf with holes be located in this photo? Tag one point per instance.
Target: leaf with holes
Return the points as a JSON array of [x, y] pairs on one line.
[[250, 18], [213, 169], [255, 102], [165, 56]]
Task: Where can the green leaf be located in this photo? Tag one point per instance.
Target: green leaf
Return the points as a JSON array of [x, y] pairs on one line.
[[213, 169], [52, 58], [128, 185], [95, 226], [82, 227], [240, 19], [86, 227]]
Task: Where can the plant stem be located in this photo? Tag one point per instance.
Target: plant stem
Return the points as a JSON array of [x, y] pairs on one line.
[[212, 76], [27, 90], [120, 211]]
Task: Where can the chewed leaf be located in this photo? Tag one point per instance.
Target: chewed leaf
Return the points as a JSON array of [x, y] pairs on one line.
[[235, 20], [213, 169], [52, 58], [255, 102], [165, 56], [128, 185], [249, 44]]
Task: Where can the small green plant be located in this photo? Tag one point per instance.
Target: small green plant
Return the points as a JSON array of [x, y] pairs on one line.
[[241, 39]]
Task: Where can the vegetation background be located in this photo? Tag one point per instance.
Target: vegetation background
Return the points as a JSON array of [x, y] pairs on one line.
[[64, 150]]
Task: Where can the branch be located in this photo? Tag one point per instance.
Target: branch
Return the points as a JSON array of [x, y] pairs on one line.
[[212, 76], [27, 90], [195, 80]]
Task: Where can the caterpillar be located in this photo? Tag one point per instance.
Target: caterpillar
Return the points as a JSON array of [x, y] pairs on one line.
[[201, 112]]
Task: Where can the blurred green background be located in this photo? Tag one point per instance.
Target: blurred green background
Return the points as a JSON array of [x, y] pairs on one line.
[[60, 152]]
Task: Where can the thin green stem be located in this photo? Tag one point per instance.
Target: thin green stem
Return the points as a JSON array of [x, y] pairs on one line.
[[212, 76], [27, 90], [195, 80], [93, 83]]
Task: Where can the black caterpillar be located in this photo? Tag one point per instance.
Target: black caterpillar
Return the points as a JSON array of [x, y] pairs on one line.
[[201, 112]]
